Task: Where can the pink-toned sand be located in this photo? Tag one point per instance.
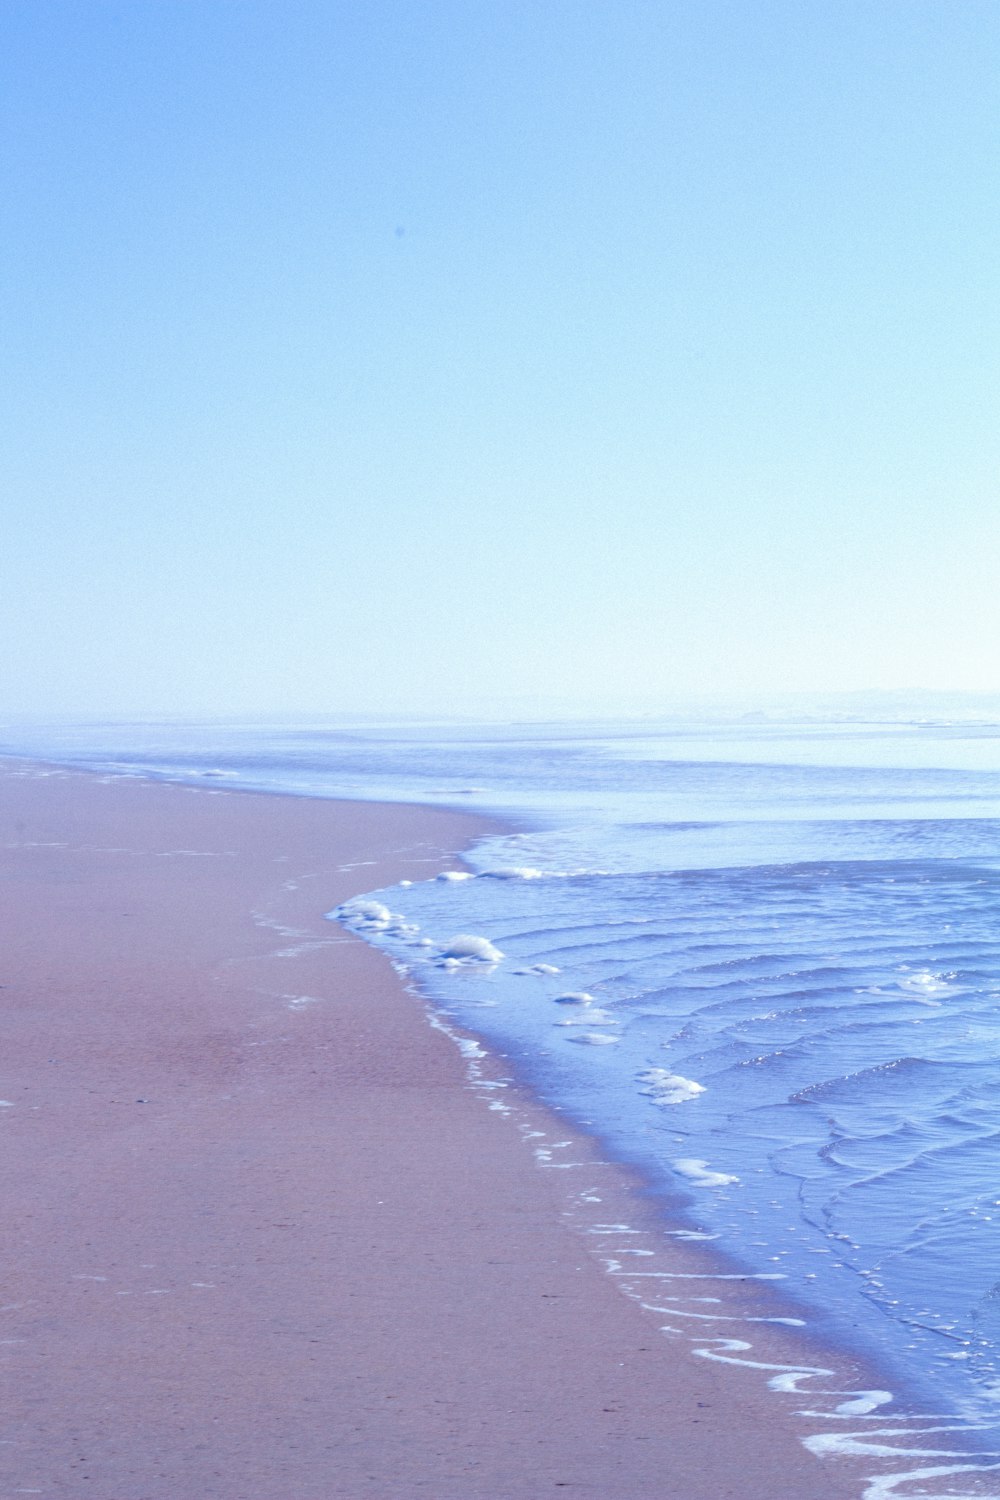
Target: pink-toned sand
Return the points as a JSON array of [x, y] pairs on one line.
[[261, 1240]]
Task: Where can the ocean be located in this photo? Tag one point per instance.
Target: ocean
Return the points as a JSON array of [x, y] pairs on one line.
[[759, 961]]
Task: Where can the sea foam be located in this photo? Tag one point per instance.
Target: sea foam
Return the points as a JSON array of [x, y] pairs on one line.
[[699, 1172], [465, 945], [664, 1087], [368, 914]]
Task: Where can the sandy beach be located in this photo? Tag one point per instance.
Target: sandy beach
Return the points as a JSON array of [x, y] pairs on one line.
[[262, 1238]]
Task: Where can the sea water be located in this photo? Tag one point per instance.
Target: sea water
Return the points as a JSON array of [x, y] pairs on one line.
[[760, 962]]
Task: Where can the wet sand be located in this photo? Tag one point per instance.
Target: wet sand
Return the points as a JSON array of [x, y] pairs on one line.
[[262, 1239]]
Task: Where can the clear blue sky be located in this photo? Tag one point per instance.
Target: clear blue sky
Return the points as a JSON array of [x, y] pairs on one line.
[[404, 354]]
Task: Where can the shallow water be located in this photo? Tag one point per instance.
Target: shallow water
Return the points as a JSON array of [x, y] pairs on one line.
[[791, 940]]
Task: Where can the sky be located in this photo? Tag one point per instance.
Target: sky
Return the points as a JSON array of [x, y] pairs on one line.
[[453, 356]]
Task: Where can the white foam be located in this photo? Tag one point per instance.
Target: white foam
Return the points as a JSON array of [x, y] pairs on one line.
[[888, 1484], [465, 945], [575, 997], [867, 1445], [664, 1087], [593, 1039], [925, 980], [699, 1172], [370, 914], [538, 969], [589, 1016], [924, 986], [455, 875], [512, 872], [863, 1403]]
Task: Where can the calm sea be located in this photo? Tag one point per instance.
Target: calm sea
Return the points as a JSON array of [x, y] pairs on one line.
[[784, 944]]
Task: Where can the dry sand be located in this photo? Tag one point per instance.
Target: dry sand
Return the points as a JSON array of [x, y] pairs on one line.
[[262, 1240]]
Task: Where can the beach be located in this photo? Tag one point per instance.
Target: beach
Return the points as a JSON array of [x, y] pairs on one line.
[[264, 1238]]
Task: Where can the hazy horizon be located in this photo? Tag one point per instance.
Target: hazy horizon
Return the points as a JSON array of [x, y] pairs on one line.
[[871, 707]]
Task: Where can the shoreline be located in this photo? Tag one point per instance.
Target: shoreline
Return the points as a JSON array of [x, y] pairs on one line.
[[362, 1282]]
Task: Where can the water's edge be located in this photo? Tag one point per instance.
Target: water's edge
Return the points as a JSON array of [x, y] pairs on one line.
[[861, 1421]]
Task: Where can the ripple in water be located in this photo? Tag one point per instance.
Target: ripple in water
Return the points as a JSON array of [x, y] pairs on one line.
[[809, 1051]]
